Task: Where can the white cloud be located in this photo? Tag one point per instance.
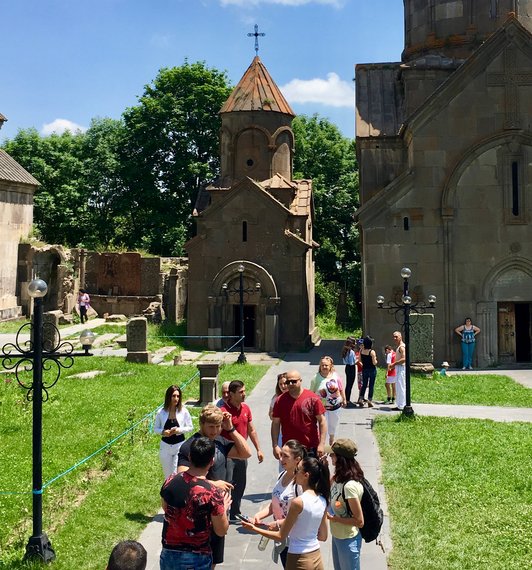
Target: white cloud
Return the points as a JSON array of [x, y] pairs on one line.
[[248, 3], [59, 126], [332, 91], [162, 41]]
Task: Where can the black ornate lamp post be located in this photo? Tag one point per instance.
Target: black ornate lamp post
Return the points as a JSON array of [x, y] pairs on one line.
[[241, 291], [37, 355], [402, 309]]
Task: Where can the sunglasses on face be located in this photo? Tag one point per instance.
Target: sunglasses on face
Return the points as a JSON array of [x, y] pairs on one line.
[[291, 382]]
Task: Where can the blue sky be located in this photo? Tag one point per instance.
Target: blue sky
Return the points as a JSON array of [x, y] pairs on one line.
[[65, 62]]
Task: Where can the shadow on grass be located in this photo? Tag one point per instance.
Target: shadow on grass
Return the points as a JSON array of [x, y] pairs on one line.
[[144, 519]]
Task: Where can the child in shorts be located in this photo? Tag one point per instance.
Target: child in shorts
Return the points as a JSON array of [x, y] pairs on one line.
[[390, 375]]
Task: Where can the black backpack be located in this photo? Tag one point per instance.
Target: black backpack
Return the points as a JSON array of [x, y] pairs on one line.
[[371, 509]]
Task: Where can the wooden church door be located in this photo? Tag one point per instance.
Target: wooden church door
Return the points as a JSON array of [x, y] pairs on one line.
[[506, 332]]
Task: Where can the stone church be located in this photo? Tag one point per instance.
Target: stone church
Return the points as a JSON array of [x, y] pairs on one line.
[[444, 144], [17, 187], [255, 221]]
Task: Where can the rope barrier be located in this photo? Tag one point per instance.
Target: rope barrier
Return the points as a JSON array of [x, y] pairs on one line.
[[118, 437]]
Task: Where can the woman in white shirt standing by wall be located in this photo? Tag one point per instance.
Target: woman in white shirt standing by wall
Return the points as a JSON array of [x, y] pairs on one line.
[[171, 423], [305, 523]]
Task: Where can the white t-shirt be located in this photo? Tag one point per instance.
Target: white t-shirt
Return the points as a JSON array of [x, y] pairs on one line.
[[304, 534], [352, 489], [282, 497]]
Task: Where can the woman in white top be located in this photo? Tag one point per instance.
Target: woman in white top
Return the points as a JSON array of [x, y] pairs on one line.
[[283, 493], [171, 423], [329, 387], [305, 522], [346, 494]]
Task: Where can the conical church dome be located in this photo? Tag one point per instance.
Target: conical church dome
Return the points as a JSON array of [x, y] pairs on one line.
[[256, 136], [257, 91]]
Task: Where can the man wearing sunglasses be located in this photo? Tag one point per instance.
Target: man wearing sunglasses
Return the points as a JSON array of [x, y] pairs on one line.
[[299, 414]]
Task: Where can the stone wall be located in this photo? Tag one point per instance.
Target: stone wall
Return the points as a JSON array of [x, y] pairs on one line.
[[16, 216]]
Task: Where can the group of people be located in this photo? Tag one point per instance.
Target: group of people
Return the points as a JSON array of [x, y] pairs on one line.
[[360, 360], [205, 475]]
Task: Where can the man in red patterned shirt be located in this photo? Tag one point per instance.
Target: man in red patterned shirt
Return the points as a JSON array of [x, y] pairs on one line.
[[192, 508], [300, 414]]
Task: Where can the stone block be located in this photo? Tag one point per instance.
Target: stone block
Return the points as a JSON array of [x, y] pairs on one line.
[[50, 333], [137, 334], [208, 381], [140, 357]]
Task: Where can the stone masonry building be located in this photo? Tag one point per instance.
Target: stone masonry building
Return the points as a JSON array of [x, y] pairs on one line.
[[255, 218], [444, 144], [17, 187]]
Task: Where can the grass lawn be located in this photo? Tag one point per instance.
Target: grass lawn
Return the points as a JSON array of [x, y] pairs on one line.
[[469, 389], [459, 493], [113, 495]]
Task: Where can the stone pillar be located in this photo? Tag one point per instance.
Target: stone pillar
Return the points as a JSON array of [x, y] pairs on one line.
[[208, 381], [215, 321], [487, 349], [50, 338], [137, 340]]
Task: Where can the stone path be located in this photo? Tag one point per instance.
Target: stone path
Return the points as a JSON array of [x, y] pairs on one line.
[[241, 548]]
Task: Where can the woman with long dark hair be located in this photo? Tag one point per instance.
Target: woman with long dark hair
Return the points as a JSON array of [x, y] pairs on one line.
[[369, 372], [283, 493], [171, 423], [346, 494], [305, 523]]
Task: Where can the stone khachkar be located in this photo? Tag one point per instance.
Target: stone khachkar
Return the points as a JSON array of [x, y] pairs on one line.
[[50, 321], [208, 381], [137, 340], [422, 342]]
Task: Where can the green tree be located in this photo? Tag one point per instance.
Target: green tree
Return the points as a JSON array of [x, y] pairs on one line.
[[323, 154], [171, 151], [103, 182], [60, 205]]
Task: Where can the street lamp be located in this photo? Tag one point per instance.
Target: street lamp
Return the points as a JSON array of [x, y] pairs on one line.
[[402, 309], [241, 291], [37, 355]]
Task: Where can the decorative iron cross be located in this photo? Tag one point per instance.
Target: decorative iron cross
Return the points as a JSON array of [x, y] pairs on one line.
[[256, 35]]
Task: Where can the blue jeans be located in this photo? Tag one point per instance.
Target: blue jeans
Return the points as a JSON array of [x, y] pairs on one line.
[[346, 552], [181, 560], [368, 377], [468, 348]]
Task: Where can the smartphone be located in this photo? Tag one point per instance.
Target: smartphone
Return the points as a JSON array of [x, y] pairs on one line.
[[243, 518]]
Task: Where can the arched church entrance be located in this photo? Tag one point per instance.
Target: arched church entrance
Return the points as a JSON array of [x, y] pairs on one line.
[[260, 306], [508, 313]]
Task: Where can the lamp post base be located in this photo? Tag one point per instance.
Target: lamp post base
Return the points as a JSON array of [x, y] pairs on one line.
[[241, 359], [39, 548], [408, 411]]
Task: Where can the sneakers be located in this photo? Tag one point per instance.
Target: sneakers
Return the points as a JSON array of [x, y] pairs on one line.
[[464, 368], [360, 403]]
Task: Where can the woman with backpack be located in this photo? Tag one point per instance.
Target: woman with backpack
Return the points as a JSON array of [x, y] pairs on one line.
[[305, 524], [346, 496]]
